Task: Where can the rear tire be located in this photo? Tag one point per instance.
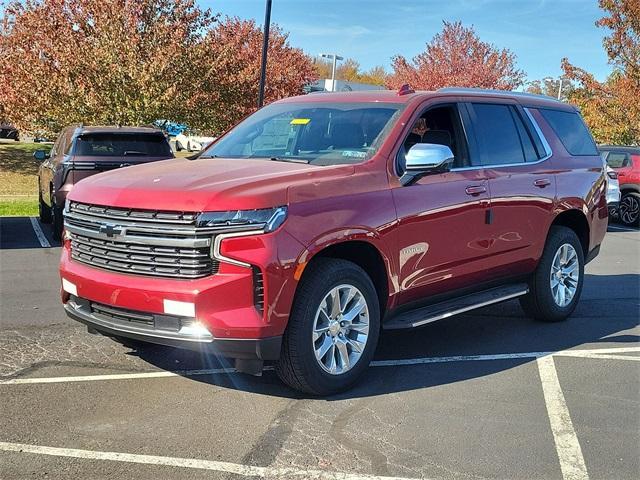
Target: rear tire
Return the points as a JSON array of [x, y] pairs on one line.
[[44, 210], [556, 285], [629, 210], [350, 344]]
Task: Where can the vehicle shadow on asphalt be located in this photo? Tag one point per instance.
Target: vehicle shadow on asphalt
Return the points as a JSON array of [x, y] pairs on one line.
[[19, 233], [602, 316]]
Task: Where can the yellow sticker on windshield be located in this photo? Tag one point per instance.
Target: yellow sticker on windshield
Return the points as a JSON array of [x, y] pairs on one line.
[[299, 121]]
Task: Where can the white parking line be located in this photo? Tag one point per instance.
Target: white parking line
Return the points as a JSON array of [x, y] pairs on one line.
[[567, 445], [121, 376], [39, 233], [214, 465], [590, 353]]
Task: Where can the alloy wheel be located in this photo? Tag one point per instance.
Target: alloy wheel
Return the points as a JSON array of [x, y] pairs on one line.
[[629, 209], [341, 329], [565, 275]]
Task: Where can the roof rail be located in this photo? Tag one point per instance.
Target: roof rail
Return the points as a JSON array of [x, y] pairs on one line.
[[496, 92]]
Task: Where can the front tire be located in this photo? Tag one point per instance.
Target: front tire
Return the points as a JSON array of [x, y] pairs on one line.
[[629, 210], [333, 329], [57, 222], [556, 285]]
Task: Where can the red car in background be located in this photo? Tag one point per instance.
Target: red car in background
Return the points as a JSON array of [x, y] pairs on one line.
[[626, 162]]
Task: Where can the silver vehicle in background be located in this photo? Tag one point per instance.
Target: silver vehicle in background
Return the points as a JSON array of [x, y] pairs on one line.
[[613, 192]]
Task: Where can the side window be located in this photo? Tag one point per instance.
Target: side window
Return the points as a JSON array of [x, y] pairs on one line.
[[56, 149], [571, 131], [497, 134], [528, 147], [618, 159], [69, 143], [438, 125]]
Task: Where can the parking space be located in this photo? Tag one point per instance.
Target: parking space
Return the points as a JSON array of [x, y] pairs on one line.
[[485, 395]]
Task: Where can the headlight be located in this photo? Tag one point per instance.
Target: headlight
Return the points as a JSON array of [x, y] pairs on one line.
[[267, 219]]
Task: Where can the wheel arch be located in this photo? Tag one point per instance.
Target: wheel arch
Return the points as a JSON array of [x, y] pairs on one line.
[[368, 257], [577, 221], [629, 188]]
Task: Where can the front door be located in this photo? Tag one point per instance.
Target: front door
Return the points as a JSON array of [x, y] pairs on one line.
[[442, 236]]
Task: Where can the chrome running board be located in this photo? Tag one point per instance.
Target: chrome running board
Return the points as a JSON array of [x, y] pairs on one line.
[[432, 313]]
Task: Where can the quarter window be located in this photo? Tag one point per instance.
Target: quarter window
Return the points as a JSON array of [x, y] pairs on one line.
[[571, 130]]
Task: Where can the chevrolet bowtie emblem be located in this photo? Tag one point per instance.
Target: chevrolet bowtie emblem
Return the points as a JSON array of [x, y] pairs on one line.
[[110, 230]]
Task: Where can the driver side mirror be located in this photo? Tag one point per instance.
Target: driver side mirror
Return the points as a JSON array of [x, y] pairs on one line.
[[41, 155], [425, 158]]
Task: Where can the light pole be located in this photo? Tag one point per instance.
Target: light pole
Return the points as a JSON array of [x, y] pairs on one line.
[[265, 47], [560, 89], [335, 58]]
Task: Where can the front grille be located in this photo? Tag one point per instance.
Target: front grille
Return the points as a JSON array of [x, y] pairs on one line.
[[143, 259], [140, 242]]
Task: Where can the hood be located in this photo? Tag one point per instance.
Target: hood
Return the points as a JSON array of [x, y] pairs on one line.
[[201, 185]]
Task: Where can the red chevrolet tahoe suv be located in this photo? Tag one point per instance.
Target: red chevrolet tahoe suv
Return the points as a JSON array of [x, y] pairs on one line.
[[322, 219]]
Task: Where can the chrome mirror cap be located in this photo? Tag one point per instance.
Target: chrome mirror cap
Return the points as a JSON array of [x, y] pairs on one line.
[[427, 156]]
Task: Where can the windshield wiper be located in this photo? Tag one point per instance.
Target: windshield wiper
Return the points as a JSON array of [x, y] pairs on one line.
[[134, 152], [288, 159]]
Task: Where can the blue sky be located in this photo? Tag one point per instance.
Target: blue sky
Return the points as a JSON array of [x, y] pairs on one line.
[[539, 32]]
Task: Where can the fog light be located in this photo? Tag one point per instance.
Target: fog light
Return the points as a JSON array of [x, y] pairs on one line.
[[195, 329], [182, 309], [69, 287]]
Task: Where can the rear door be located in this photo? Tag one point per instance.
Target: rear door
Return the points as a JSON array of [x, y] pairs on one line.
[[516, 159]]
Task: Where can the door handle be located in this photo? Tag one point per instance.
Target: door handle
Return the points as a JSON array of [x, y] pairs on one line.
[[475, 190], [542, 182]]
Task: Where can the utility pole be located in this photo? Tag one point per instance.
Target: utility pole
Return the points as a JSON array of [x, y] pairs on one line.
[[335, 59], [265, 48]]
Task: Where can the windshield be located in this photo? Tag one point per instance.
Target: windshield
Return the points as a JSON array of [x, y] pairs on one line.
[[317, 133], [122, 144]]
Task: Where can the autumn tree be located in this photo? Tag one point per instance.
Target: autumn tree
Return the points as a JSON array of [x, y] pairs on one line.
[[226, 85], [134, 61], [456, 57], [612, 108], [349, 70], [552, 87]]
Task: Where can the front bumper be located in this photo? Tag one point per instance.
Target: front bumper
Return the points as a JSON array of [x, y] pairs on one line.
[[167, 330]]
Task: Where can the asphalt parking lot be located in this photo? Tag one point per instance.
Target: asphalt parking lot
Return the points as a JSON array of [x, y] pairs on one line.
[[490, 394]]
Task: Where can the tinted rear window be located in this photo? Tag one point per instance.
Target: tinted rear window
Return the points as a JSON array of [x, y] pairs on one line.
[[498, 135], [122, 145], [571, 130]]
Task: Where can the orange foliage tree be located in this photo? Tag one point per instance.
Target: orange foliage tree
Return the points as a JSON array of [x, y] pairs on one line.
[[456, 57], [612, 108], [135, 61]]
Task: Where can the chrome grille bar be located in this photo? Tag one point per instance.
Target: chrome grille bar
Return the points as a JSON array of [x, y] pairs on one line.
[[140, 242]]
